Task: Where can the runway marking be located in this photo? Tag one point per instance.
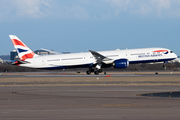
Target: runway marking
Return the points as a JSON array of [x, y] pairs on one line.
[[81, 75], [110, 75], [121, 105], [145, 84]]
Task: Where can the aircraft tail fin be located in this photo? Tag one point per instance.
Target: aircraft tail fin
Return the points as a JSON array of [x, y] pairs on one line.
[[24, 52]]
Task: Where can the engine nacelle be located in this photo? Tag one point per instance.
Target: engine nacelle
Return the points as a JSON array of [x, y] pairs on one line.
[[121, 63]]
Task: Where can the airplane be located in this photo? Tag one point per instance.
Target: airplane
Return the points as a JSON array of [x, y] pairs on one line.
[[93, 60]]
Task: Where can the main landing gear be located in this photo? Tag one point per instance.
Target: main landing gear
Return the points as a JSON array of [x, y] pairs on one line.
[[96, 72]]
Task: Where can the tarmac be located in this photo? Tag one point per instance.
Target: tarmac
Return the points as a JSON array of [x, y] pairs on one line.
[[91, 98]]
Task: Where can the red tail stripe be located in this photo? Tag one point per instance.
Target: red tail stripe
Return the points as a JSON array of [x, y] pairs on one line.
[[24, 57], [161, 51], [17, 42]]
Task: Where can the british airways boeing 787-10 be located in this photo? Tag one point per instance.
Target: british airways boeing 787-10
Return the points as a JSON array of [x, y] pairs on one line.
[[93, 60]]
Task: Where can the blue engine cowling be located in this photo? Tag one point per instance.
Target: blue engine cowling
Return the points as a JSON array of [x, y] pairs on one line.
[[121, 63]]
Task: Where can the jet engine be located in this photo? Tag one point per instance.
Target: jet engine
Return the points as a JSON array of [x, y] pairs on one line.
[[121, 63]]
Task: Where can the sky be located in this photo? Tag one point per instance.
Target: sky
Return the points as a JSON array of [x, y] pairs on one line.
[[98, 25]]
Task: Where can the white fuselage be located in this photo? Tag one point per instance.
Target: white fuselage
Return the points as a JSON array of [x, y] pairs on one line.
[[79, 59]]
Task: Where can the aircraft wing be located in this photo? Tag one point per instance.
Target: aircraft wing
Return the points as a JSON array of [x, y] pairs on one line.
[[100, 58]]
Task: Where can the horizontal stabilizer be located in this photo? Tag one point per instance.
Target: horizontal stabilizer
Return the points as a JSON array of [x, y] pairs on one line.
[[18, 62]]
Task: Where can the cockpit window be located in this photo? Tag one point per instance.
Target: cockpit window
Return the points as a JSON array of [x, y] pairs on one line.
[[171, 51]]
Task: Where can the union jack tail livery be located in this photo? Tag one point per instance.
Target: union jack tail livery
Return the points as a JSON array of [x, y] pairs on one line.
[[24, 52]]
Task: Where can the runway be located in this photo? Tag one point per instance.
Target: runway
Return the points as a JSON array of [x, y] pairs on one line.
[[79, 97], [119, 75], [90, 102], [16, 76]]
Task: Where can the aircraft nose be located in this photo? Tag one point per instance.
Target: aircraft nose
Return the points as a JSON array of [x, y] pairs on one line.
[[175, 55]]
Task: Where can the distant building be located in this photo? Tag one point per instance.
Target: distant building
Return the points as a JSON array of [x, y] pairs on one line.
[[42, 52], [14, 55], [5, 57], [66, 52], [1, 61]]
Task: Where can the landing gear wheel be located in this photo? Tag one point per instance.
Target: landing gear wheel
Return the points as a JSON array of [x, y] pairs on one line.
[[92, 70], [96, 72], [88, 72], [100, 70]]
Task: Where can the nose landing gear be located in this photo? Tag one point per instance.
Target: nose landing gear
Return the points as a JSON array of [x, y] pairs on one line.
[[164, 65]]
